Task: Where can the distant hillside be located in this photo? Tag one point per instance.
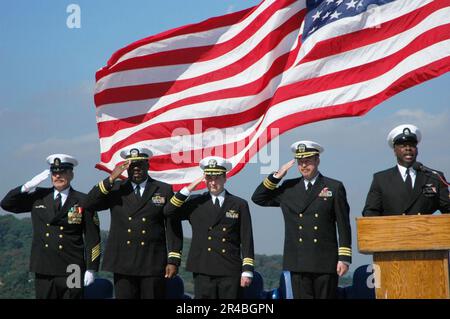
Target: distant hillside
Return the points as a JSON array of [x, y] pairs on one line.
[[15, 242], [17, 282]]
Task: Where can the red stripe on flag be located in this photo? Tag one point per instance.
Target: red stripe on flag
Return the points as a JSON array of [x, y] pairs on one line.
[[154, 90], [209, 24], [195, 54]]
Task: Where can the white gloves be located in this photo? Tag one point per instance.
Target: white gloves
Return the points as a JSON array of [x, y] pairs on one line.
[[35, 181], [89, 277]]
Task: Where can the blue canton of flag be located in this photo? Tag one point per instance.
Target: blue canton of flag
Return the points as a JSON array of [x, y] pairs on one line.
[[323, 12]]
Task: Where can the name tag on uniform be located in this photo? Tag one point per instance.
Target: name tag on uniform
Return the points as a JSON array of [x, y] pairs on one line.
[[232, 214], [75, 215], [40, 206], [325, 193], [429, 190], [158, 199]]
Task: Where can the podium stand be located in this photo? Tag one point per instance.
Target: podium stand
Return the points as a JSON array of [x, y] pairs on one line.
[[410, 254]]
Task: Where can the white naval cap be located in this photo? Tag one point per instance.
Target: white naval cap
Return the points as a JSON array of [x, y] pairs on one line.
[[404, 133], [215, 165], [136, 153], [303, 149], [61, 162]]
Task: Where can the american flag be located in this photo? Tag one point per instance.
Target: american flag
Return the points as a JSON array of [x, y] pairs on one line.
[[220, 86]]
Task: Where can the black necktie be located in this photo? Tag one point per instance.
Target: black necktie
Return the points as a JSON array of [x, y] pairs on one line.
[[217, 203], [310, 185], [58, 202], [137, 191], [408, 180]]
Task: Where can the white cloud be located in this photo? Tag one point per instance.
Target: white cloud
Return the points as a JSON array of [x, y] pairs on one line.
[[81, 144], [424, 120]]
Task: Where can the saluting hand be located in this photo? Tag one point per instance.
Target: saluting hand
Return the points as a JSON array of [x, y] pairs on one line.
[[191, 187], [171, 271], [283, 169], [35, 181], [118, 170]]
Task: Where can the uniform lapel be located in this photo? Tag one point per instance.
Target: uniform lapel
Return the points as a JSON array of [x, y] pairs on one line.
[[128, 194], [397, 185], [70, 201], [417, 190], [150, 188], [227, 202], [49, 202], [317, 187], [211, 210], [300, 195]]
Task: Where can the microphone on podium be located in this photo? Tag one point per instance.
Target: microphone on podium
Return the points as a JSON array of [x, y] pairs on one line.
[[418, 166]]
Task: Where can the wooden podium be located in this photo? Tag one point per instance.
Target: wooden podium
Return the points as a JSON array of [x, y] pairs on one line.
[[410, 254]]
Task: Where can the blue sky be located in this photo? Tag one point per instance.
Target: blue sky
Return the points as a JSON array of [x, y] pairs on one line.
[[46, 103]]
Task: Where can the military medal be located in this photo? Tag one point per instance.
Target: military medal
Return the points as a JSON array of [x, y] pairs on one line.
[[75, 215]]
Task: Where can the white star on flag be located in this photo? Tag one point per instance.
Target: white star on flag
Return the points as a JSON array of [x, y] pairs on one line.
[[351, 4], [326, 15], [317, 15], [335, 15]]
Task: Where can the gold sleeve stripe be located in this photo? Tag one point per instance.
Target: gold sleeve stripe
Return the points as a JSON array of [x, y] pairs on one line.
[[248, 261], [102, 188], [95, 256], [267, 180], [174, 255], [269, 185], [95, 252], [176, 202], [345, 251]]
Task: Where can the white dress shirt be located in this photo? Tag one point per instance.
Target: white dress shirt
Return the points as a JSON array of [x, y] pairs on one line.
[[312, 181], [141, 185], [64, 193], [412, 173], [221, 198]]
